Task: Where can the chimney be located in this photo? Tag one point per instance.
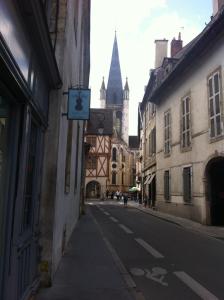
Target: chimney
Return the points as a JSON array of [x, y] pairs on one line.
[[161, 51], [217, 4], [176, 45]]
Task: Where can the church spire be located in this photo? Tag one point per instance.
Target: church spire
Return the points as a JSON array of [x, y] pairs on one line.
[[126, 90], [103, 91], [114, 93]]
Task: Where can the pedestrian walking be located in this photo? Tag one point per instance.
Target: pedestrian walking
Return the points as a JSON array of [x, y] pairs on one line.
[[125, 196]]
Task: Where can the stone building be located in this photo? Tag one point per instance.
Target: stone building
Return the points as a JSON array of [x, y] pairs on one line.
[[187, 90], [38, 146], [116, 98]]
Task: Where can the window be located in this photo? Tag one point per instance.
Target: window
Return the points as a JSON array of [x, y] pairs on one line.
[[152, 142], [216, 126], [167, 132], [114, 154], [118, 123], [167, 185], [68, 157], [91, 140], [187, 185], [185, 123], [114, 178], [122, 178], [91, 162]]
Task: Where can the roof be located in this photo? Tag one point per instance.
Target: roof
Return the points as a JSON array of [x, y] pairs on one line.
[[100, 118], [114, 94], [103, 85], [133, 142], [126, 86], [186, 58]]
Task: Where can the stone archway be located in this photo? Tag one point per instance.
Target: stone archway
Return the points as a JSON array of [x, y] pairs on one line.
[[93, 189], [215, 190]]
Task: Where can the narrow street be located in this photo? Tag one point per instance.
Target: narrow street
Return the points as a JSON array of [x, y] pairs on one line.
[[165, 261]]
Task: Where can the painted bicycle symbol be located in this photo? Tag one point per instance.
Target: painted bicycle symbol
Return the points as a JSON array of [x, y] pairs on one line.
[[156, 274]]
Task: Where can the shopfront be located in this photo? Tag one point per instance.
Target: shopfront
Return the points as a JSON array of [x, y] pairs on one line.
[[27, 74]]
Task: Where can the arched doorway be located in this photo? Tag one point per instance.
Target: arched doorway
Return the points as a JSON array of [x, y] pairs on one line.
[[93, 189], [215, 190]]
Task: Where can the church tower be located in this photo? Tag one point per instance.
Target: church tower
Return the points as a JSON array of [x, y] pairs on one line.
[[103, 95], [115, 97]]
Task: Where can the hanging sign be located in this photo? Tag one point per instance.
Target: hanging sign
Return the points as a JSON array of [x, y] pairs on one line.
[[78, 104]]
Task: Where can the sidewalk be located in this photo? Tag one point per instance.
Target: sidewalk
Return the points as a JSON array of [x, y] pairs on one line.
[[213, 231], [87, 270]]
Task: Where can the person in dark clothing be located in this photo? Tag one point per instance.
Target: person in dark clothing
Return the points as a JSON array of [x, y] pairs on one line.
[[125, 196]]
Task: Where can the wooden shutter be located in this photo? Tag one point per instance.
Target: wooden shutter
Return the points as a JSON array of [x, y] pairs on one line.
[[187, 184]]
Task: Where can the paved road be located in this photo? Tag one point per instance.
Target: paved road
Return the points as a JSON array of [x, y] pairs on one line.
[[165, 260]]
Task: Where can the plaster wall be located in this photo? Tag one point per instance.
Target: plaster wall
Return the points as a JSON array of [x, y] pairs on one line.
[[60, 209], [194, 84]]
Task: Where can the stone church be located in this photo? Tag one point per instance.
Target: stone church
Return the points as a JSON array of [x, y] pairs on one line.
[[120, 173]]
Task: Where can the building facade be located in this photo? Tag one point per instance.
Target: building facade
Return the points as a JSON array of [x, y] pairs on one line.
[[98, 135], [188, 93], [34, 74], [27, 76], [116, 98], [62, 180]]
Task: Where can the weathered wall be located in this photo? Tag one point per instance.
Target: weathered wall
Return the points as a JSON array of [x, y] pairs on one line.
[[193, 83], [60, 208]]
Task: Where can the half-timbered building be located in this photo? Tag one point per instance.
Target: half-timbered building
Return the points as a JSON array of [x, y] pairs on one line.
[[98, 135]]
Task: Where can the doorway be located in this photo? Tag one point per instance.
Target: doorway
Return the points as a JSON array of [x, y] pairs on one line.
[[152, 192], [93, 189], [215, 190]]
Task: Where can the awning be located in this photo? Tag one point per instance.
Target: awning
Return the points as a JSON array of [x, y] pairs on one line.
[[149, 178]]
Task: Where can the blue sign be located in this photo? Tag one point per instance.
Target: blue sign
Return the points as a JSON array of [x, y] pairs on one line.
[[78, 104]]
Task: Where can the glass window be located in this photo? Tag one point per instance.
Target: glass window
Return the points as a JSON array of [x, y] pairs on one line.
[[91, 163], [185, 123], [114, 154], [91, 140], [167, 132], [114, 178], [214, 105]]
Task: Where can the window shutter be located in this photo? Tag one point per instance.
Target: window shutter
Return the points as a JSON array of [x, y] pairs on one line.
[[166, 186], [187, 184]]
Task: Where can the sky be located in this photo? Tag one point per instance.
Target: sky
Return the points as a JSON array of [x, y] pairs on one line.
[[138, 24]]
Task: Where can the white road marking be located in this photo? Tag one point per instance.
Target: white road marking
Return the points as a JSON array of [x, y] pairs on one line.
[[149, 248], [106, 213], [126, 229], [157, 274], [195, 286], [114, 219]]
